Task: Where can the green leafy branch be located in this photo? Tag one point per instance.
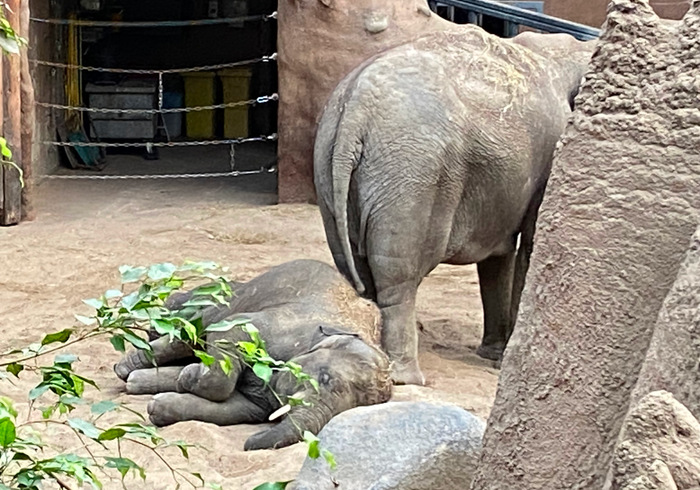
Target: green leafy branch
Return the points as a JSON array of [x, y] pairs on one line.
[[6, 159], [10, 41], [21, 463], [126, 316]]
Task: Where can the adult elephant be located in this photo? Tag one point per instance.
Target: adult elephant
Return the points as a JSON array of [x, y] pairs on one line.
[[438, 151]]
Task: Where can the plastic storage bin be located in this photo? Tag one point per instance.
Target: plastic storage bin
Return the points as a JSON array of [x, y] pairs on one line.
[[173, 120], [199, 91], [236, 88]]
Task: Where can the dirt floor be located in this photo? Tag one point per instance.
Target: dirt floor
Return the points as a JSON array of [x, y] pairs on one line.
[[86, 229]]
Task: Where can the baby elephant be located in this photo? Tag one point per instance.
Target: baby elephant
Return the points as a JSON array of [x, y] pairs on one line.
[[307, 313]]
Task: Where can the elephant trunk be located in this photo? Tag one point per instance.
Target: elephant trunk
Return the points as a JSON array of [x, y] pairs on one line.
[[291, 430]]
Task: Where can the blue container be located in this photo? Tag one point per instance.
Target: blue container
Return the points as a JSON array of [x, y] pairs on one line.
[[173, 120]]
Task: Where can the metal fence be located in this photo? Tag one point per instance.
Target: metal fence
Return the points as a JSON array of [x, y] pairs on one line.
[[63, 111], [515, 16]]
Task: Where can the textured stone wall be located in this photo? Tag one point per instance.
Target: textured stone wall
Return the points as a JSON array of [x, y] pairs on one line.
[[620, 208]]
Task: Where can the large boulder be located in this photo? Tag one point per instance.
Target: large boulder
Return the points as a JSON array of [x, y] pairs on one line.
[[397, 445], [659, 447]]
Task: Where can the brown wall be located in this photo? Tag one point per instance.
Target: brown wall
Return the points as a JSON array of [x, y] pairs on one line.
[[592, 12]]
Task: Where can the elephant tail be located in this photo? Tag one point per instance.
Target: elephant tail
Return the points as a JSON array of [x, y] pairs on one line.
[[347, 153]]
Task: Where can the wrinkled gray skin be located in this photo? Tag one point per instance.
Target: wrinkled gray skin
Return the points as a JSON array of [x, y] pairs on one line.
[[438, 151], [308, 313]]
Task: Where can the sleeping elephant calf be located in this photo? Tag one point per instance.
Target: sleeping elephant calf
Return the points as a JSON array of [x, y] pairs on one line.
[[438, 151], [307, 313]]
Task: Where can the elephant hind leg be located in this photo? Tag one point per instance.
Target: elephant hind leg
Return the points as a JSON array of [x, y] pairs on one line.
[[163, 351], [169, 408], [496, 285], [153, 380], [396, 297], [522, 262]]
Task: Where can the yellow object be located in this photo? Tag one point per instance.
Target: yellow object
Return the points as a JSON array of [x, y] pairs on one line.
[[72, 81], [199, 91], [236, 88]]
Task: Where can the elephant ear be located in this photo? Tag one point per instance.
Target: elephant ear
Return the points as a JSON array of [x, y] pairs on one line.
[[323, 332]]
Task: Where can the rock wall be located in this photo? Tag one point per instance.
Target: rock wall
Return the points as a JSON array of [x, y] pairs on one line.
[[673, 359], [659, 447], [621, 205], [319, 42]]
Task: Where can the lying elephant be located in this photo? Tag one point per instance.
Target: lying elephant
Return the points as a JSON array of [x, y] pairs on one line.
[[307, 313], [438, 151]]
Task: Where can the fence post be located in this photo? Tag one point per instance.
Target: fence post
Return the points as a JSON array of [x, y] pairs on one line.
[[28, 116], [11, 207]]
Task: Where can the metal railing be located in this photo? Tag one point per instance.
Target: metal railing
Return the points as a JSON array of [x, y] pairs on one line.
[[518, 16]]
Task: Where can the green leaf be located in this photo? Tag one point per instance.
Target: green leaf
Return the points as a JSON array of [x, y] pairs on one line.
[[8, 44], [249, 328], [135, 340], [123, 465], [117, 342], [312, 441], [184, 448], [190, 329], [71, 400], [280, 485], [4, 149], [47, 412], [130, 300], [8, 433], [85, 427], [206, 359], [65, 359], [297, 400], [226, 365], [226, 325], [314, 383], [164, 327], [94, 303], [111, 434], [38, 391], [263, 371], [200, 302], [248, 348], [61, 337], [113, 293], [15, 368], [330, 459], [104, 406], [85, 320], [158, 272], [7, 407], [131, 274]]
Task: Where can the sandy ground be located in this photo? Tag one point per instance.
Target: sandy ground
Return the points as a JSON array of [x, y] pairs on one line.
[[86, 229]]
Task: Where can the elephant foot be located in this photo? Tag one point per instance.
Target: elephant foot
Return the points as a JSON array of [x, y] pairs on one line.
[[407, 373], [163, 409], [205, 382], [490, 352]]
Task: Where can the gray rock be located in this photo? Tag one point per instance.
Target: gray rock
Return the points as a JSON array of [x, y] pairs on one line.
[[397, 445]]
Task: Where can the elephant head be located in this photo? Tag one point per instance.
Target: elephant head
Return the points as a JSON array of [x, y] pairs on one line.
[[350, 373], [569, 56]]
